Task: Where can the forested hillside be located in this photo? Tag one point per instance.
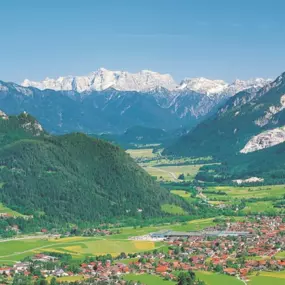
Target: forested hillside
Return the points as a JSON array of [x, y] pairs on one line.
[[246, 135], [243, 116], [73, 177]]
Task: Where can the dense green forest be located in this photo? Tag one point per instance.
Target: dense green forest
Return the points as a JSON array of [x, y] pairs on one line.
[[268, 164], [73, 178]]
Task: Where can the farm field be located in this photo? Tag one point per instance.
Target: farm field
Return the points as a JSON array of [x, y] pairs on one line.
[[233, 195], [79, 247], [248, 192], [141, 153], [15, 250], [265, 278], [258, 207], [181, 193], [148, 279], [280, 255], [171, 173], [68, 278], [211, 278], [165, 169]]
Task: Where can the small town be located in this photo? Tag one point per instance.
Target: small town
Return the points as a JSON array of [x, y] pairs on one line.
[[237, 249]]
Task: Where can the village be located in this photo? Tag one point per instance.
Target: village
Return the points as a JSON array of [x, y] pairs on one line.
[[245, 247]]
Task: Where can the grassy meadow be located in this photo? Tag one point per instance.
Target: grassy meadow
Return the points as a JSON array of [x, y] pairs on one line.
[[79, 247], [265, 278], [166, 169], [9, 211], [234, 194], [211, 278], [148, 279], [141, 153], [173, 209]]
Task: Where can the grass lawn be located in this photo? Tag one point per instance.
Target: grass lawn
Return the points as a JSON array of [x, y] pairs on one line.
[[173, 209], [4, 209], [265, 278], [11, 251], [171, 173], [148, 279], [15, 250], [181, 193], [68, 278], [250, 192], [280, 255], [211, 278], [260, 207]]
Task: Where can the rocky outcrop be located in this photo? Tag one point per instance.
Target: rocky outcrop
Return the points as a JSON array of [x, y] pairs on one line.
[[264, 140]]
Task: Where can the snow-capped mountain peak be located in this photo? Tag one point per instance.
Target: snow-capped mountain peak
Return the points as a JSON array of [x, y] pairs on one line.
[[216, 87], [143, 81], [203, 85], [103, 79]]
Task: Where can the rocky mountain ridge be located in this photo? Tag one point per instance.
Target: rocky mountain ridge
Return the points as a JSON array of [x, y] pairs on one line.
[[143, 81]]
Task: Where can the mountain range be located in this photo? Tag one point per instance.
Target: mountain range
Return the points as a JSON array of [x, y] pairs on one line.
[[114, 101], [142, 81], [247, 133]]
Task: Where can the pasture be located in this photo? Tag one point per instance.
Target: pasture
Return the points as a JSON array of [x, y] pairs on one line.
[[68, 278], [276, 191], [9, 211], [211, 278], [141, 153], [79, 247], [171, 173], [234, 194], [265, 278], [181, 193], [173, 209], [260, 207], [148, 279]]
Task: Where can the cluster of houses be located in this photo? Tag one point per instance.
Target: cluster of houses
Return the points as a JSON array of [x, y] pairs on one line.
[[235, 248]]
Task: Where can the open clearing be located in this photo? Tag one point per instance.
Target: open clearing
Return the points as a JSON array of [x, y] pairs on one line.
[[9, 211], [265, 278], [11, 251], [141, 153], [171, 173], [181, 193], [211, 278], [260, 207], [68, 278], [79, 247], [277, 191], [173, 209], [233, 195], [148, 279]]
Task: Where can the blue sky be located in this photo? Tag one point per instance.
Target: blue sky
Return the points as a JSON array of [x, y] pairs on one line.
[[218, 39]]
